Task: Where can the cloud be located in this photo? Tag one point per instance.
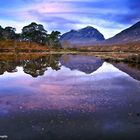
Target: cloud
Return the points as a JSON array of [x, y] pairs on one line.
[[64, 15], [18, 25]]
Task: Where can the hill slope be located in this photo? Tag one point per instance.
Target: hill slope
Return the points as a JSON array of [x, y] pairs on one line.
[[130, 34]]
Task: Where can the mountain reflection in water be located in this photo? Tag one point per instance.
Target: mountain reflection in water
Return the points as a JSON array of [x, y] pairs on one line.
[[69, 97], [87, 64]]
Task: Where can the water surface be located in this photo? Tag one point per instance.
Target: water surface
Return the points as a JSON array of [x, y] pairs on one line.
[[69, 97]]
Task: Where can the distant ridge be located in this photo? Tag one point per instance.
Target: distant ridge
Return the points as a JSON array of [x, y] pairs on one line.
[[131, 34]]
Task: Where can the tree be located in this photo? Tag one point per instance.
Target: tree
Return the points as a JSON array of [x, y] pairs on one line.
[[1, 30], [54, 39], [35, 33], [9, 33]]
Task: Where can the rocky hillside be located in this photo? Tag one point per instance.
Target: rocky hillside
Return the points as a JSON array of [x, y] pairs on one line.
[[85, 35], [131, 34]]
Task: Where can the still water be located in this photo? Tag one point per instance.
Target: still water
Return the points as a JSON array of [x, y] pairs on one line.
[[69, 97]]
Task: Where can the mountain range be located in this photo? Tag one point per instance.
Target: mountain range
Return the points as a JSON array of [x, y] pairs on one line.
[[91, 36]]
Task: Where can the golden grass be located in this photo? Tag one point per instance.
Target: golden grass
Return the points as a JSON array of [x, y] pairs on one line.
[[16, 46], [26, 50], [20, 56], [128, 47]]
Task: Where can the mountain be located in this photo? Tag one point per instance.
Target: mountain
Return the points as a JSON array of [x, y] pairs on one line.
[[90, 36], [86, 64], [85, 35], [132, 70], [131, 34]]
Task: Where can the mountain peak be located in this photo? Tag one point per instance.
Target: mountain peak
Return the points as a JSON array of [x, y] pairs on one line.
[[88, 28], [84, 35]]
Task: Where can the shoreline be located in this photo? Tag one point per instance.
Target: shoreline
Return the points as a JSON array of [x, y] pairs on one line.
[[107, 56]]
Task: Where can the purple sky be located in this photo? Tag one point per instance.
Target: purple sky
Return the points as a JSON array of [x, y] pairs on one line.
[[108, 16]]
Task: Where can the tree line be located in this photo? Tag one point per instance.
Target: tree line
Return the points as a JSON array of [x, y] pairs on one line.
[[32, 33]]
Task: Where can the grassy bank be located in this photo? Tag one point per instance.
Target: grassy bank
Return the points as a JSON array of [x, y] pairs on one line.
[[107, 56], [17, 46], [127, 47], [120, 57], [27, 50]]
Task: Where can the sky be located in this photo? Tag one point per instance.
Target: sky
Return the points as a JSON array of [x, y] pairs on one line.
[[108, 16]]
